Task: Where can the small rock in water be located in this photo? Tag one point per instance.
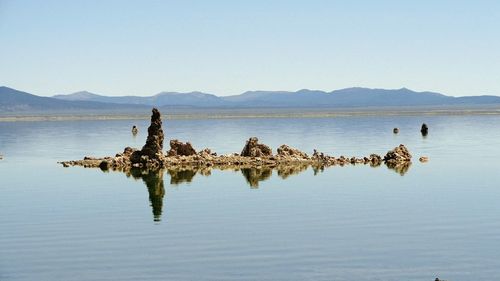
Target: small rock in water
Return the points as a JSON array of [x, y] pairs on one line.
[[423, 159], [135, 130], [424, 130], [395, 130]]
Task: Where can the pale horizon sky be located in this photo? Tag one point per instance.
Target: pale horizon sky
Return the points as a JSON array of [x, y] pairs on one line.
[[229, 47]]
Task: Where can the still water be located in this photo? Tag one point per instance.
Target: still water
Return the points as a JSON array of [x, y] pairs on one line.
[[439, 219]]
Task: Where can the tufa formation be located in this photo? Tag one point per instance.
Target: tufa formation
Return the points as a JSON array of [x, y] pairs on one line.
[[253, 155]]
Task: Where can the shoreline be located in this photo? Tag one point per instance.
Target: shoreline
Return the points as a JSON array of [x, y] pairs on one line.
[[242, 114]]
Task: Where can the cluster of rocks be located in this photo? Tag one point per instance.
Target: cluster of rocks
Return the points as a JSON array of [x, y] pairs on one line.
[[253, 154]]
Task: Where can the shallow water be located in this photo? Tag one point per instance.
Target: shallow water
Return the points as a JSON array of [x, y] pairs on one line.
[[441, 219]]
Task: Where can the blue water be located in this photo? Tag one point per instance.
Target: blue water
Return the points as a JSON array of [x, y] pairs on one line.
[[440, 219]]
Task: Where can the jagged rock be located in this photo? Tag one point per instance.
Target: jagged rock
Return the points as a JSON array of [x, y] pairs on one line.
[[424, 130], [398, 155], [287, 151], [154, 143], [395, 130], [253, 148], [178, 148]]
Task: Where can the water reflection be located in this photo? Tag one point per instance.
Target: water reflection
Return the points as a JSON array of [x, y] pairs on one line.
[[253, 176], [156, 189], [400, 168]]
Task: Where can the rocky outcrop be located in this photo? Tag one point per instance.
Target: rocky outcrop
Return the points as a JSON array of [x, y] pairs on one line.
[[397, 155], [183, 157], [424, 130], [398, 159], [154, 142], [285, 151], [253, 148], [151, 155], [181, 149]]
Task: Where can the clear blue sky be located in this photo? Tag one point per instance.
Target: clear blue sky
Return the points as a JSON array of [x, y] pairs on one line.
[[227, 47]]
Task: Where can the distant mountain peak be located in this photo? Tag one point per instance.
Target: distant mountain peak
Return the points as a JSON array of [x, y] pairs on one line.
[[305, 98]]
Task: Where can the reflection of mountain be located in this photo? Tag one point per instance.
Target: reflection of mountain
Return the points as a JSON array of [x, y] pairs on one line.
[[156, 189]]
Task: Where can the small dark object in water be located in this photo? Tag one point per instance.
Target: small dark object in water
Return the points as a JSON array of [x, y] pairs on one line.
[[424, 130], [134, 130], [395, 130], [424, 159]]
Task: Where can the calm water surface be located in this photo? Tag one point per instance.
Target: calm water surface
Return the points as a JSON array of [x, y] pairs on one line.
[[441, 219]]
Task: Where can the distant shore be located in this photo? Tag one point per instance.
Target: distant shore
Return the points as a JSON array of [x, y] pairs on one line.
[[249, 113]]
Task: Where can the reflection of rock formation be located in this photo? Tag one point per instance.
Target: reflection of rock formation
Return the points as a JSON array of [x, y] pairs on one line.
[[284, 171], [398, 159], [156, 189], [179, 176], [254, 175], [399, 167]]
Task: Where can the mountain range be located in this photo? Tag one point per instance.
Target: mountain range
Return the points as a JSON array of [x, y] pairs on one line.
[[12, 100]]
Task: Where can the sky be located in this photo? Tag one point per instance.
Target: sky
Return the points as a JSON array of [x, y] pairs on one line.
[[229, 47]]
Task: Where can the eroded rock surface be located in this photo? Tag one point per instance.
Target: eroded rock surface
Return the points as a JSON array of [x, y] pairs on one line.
[[154, 142], [255, 149], [398, 159], [290, 152], [180, 148], [398, 154]]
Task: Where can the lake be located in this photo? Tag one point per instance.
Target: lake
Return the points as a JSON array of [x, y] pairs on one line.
[[439, 219]]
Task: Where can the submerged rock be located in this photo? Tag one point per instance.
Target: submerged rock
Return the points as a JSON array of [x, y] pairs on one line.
[[424, 130], [253, 148], [424, 159], [180, 148]]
